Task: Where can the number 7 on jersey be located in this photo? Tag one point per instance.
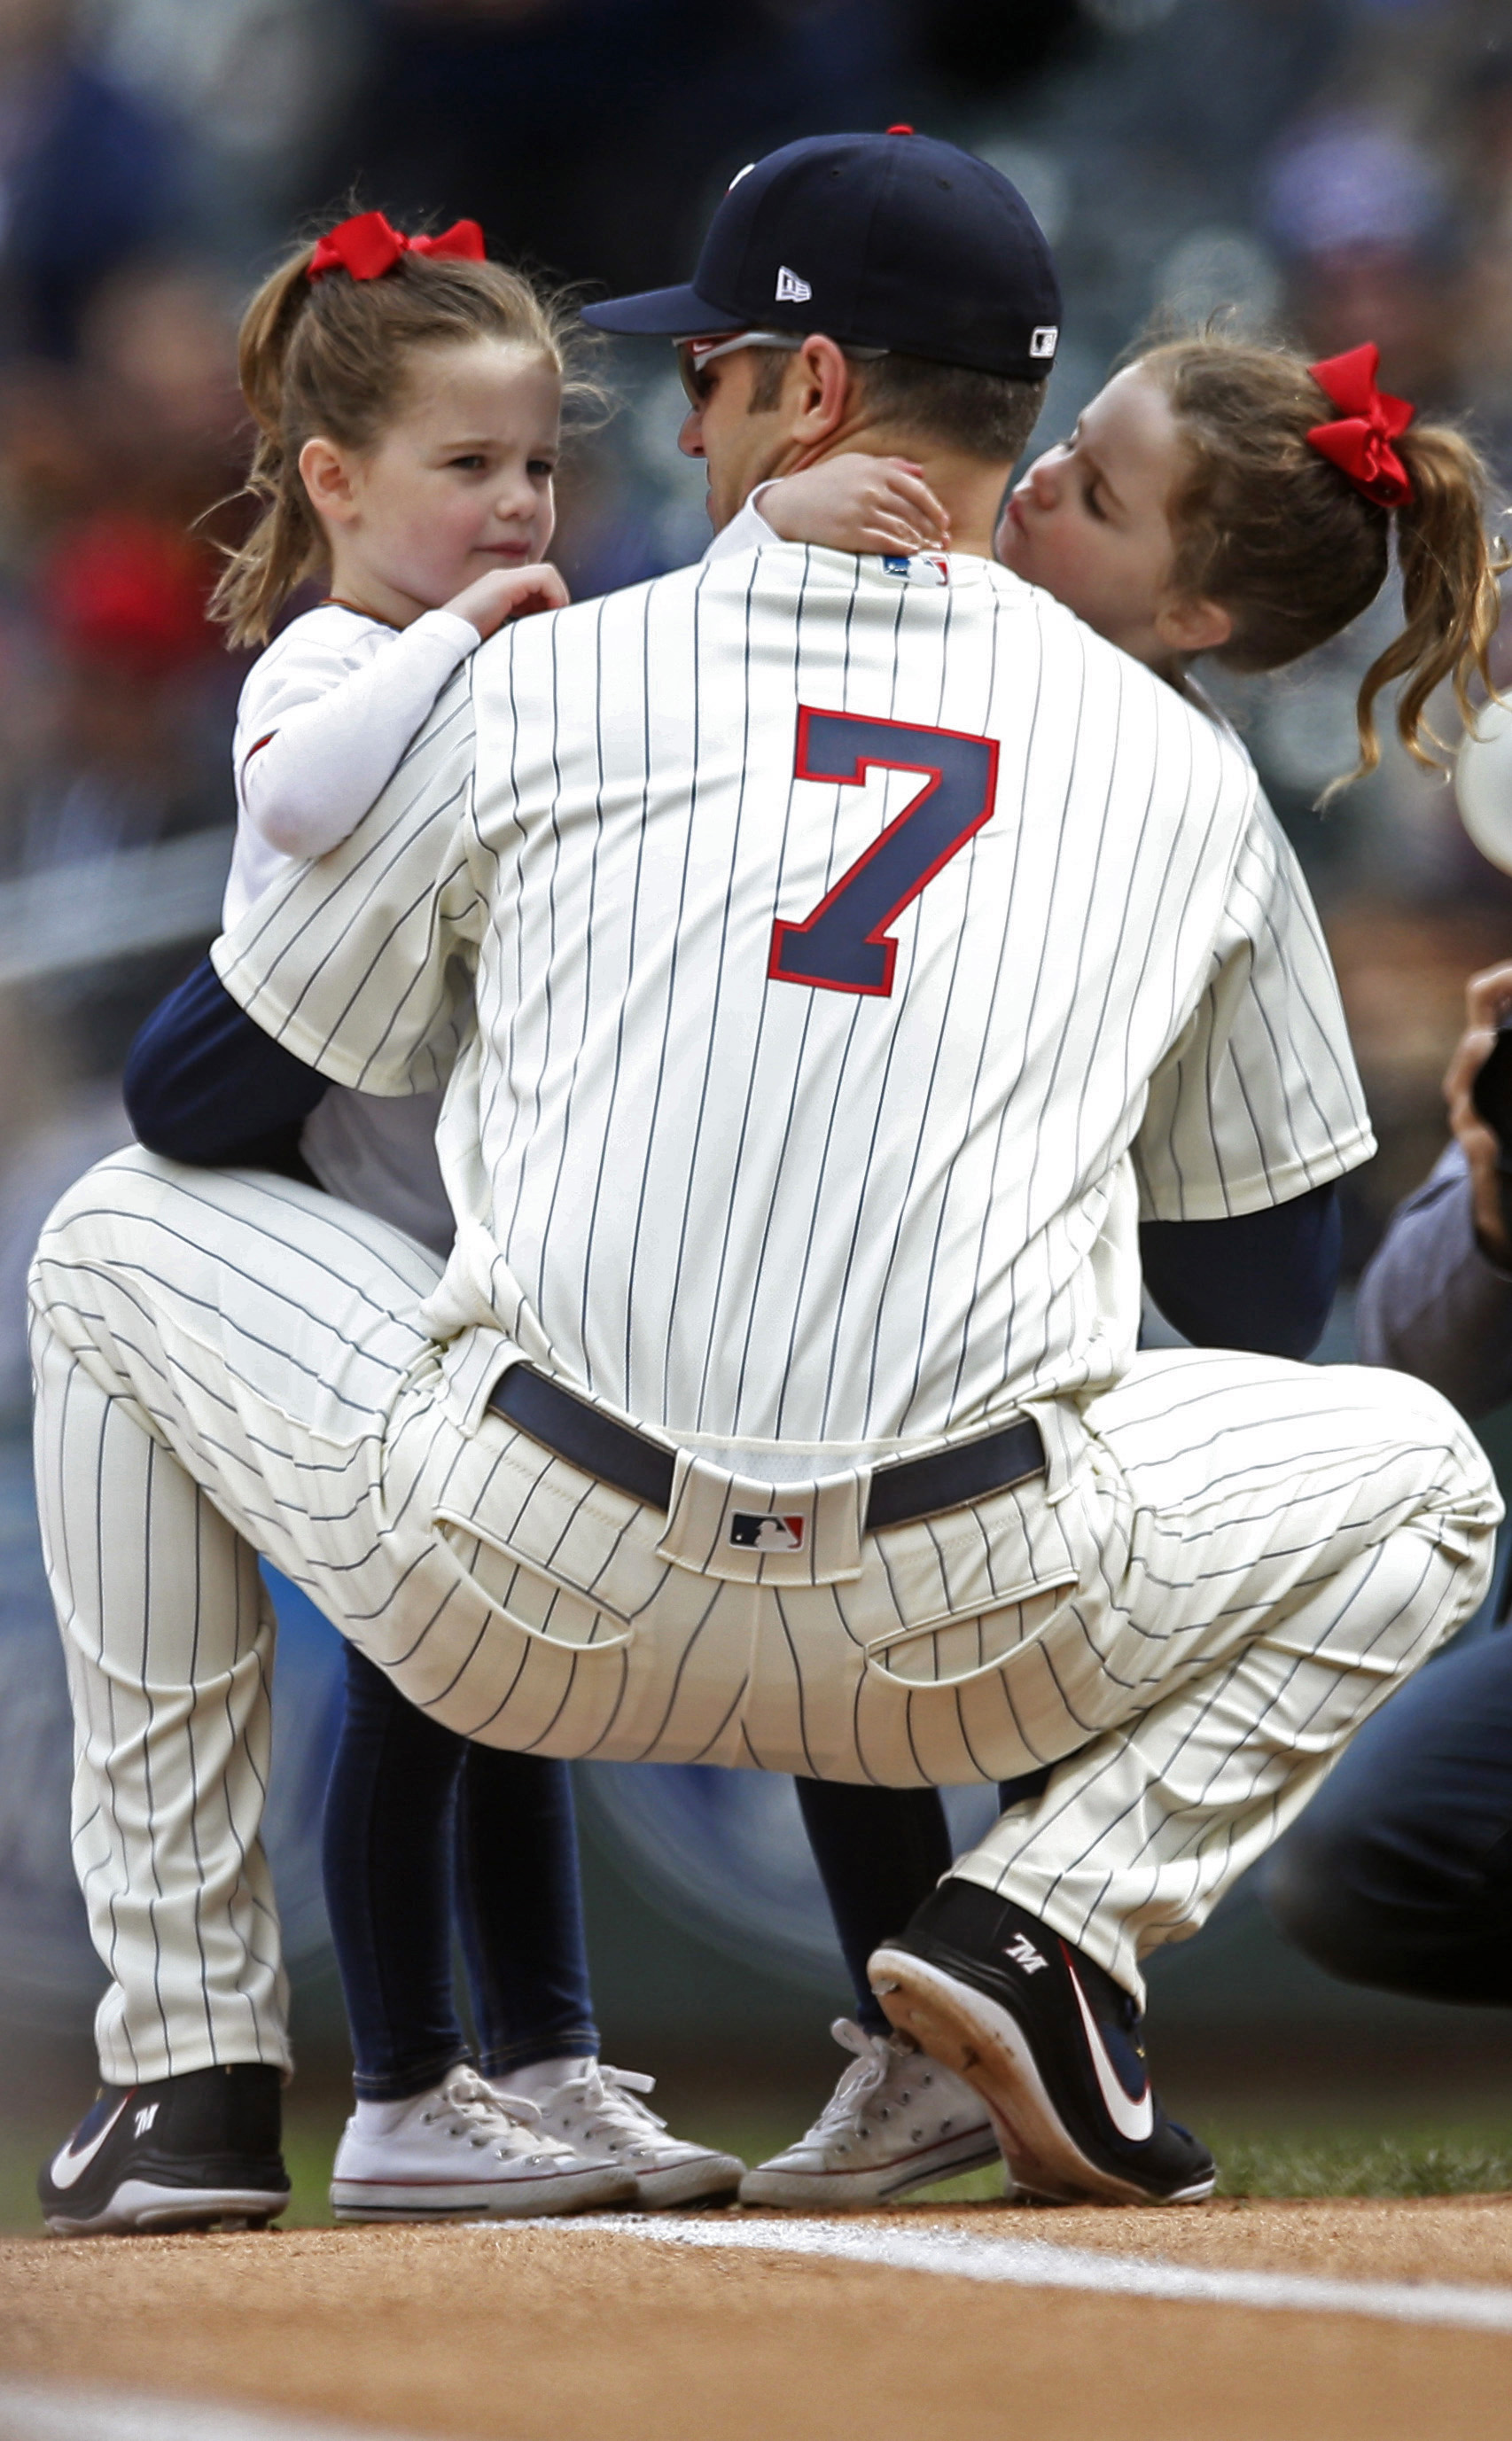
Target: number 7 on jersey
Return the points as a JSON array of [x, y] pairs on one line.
[[843, 945]]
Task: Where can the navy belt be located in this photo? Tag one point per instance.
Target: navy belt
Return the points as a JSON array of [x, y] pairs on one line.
[[901, 1490]]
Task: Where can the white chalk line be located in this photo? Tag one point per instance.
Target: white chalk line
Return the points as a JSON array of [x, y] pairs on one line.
[[59, 2411], [1035, 2263]]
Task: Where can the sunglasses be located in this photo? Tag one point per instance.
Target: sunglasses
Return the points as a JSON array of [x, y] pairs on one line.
[[694, 355]]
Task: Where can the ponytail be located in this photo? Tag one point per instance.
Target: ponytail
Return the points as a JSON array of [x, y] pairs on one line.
[[1449, 571], [331, 357], [285, 544]]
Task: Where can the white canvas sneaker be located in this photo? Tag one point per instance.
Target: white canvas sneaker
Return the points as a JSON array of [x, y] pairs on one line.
[[897, 2120], [462, 2149], [599, 2110]]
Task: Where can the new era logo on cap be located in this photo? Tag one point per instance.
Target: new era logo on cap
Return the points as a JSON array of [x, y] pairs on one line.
[[1042, 342], [748, 1533], [790, 289]]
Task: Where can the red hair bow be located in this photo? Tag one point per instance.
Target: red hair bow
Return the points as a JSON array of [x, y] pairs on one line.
[[368, 246], [1359, 442]]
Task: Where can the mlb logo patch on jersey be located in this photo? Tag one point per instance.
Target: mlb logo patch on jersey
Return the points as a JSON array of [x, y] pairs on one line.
[[748, 1533], [919, 569]]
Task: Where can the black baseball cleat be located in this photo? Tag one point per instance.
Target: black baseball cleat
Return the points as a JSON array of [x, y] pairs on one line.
[[1051, 2043], [188, 2152]]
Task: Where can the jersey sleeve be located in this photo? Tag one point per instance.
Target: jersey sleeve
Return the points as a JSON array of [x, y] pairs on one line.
[[321, 733], [1259, 1099], [360, 963]]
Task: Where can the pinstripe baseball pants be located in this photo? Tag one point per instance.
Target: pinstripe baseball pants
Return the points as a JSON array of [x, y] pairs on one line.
[[1231, 1563]]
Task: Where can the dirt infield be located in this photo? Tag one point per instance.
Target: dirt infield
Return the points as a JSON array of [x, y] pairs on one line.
[[576, 2333]]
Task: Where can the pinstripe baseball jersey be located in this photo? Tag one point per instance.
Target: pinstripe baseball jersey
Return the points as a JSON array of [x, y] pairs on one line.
[[858, 949]]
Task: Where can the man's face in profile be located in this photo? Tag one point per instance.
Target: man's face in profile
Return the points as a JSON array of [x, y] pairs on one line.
[[740, 448]]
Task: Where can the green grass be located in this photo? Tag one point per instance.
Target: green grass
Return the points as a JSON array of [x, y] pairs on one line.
[[1426, 2161]]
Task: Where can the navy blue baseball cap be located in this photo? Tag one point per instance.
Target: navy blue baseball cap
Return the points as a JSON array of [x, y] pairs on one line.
[[893, 242]]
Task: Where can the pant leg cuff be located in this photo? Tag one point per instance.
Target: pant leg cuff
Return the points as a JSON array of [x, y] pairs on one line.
[[1103, 1939], [579, 2042], [152, 2063], [405, 2084]]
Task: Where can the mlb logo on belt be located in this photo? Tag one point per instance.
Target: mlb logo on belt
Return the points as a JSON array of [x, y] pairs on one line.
[[748, 1533]]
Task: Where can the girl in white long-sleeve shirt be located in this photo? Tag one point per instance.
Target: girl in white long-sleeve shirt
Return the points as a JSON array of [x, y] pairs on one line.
[[407, 396], [322, 725], [409, 441]]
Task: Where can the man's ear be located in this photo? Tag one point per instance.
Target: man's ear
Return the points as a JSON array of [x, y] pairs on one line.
[[327, 474], [1185, 624], [817, 393]]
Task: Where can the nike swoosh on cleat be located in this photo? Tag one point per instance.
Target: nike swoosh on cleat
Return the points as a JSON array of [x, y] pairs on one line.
[[68, 2168], [1133, 2119]]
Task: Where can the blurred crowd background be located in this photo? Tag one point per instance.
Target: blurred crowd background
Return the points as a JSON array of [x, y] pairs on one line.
[[1336, 170]]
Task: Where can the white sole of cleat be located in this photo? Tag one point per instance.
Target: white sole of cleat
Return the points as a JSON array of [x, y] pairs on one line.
[[985, 2045], [136, 2204]]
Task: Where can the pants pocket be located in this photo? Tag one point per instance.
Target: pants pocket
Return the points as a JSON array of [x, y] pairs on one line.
[[529, 1595], [953, 1650], [970, 1589]]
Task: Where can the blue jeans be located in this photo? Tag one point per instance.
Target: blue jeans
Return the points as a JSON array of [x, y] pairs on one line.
[[880, 1853], [424, 1831], [1400, 1873]]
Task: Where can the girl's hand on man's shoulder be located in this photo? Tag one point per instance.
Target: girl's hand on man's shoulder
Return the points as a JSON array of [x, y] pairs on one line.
[[508, 593]]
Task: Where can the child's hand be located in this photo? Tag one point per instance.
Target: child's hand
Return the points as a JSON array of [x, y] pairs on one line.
[[856, 502], [510, 593]]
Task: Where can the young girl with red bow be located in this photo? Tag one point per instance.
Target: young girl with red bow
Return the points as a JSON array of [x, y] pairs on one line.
[[1217, 497], [1227, 499], [407, 395]]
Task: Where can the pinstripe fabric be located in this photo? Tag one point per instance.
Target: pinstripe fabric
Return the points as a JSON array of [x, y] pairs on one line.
[[1292, 1543], [172, 1739], [1233, 1558], [734, 1207]]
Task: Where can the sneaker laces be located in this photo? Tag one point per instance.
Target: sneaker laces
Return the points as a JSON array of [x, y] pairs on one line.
[[468, 2105], [861, 2082], [608, 2097]]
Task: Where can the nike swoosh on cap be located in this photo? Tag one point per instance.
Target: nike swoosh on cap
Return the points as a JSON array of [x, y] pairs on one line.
[[68, 2167], [1135, 2120]]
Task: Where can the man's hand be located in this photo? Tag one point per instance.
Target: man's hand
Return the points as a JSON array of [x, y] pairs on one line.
[[858, 502], [510, 593], [1487, 998]]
